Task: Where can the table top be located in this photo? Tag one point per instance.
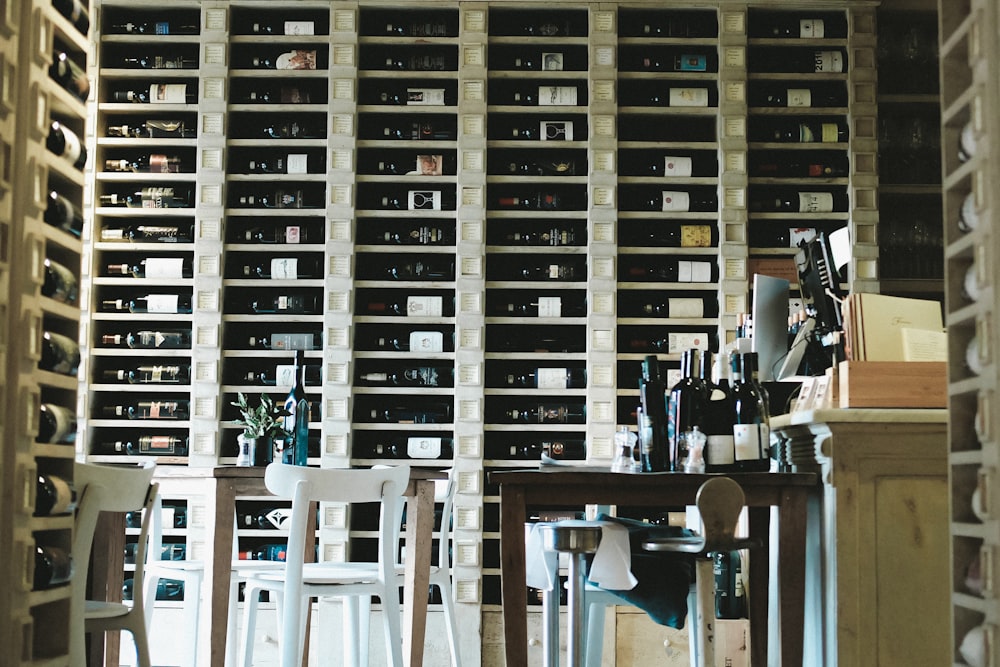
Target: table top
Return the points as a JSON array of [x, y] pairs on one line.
[[593, 475], [862, 415], [257, 472]]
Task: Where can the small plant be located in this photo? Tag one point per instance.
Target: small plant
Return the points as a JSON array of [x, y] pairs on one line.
[[263, 420]]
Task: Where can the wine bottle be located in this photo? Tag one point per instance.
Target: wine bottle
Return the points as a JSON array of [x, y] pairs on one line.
[[416, 376], [53, 567], [286, 234], [968, 214], [674, 307], [426, 28], [751, 432], [291, 129], [660, 23], [428, 269], [59, 282], [673, 271], [682, 201], [177, 409], [289, 163], [967, 142], [276, 94], [419, 200], [418, 234], [63, 214], [417, 341], [793, 25], [798, 201], [76, 12], [798, 60], [157, 93], [294, 59], [270, 518], [154, 163], [687, 405], [793, 130], [285, 341], [646, 234], [430, 413], [148, 197], [549, 378], [539, 306], [56, 424], [60, 354], [283, 375], [163, 339], [730, 601], [418, 131], [549, 413], [771, 236], [161, 303], [146, 445], [674, 61], [720, 417], [139, 27], [415, 447], [811, 165], [262, 27], [655, 453], [272, 552], [562, 450], [65, 143], [285, 268], [296, 422], [550, 236], [158, 61], [413, 306], [154, 129], [286, 304], [167, 590], [797, 94], [149, 374], [157, 268], [278, 199], [543, 201], [54, 496], [160, 233], [422, 62], [70, 76]]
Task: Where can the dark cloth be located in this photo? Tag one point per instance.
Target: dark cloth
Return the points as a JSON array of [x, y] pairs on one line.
[[664, 577]]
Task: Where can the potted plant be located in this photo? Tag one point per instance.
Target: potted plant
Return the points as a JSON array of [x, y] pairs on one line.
[[261, 423]]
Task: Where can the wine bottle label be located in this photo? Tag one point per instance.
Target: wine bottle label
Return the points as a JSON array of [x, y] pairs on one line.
[[751, 441], [425, 96], [689, 97], [720, 450], [968, 216], [549, 306], [284, 375], [689, 62], [378, 378], [967, 143], [284, 268], [556, 96], [164, 267], [696, 236], [424, 306], [157, 198], [423, 200], [64, 496], [686, 307], [812, 29], [426, 341], [676, 200], [162, 303], [423, 448], [694, 272], [292, 341], [678, 342], [293, 234], [159, 444], [299, 28], [829, 133], [553, 414], [797, 235], [552, 378], [65, 422], [168, 93], [164, 128], [815, 202], [116, 165], [73, 147], [556, 130], [429, 165], [829, 61], [296, 59], [161, 164], [676, 166], [799, 97], [297, 163]]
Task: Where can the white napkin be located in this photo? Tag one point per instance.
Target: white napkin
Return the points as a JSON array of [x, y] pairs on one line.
[[610, 569]]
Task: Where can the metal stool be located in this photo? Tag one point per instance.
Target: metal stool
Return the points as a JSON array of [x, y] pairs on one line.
[[576, 538], [719, 502]]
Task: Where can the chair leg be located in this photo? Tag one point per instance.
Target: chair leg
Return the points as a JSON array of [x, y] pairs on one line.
[[141, 642], [392, 622], [250, 603], [593, 620], [232, 647], [451, 622], [192, 604], [364, 625], [353, 637], [550, 614], [149, 596]]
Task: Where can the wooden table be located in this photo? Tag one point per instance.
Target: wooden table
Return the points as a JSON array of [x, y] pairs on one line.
[[563, 486], [227, 483]]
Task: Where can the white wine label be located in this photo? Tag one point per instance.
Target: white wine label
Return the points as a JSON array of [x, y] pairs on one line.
[[811, 28], [284, 375], [284, 268], [298, 163], [423, 200], [299, 28], [164, 267], [815, 202], [720, 449], [168, 93], [676, 166], [686, 307], [554, 96], [676, 200], [424, 306], [112, 234], [423, 448], [799, 97], [829, 61], [296, 59], [551, 378], [694, 272], [556, 130], [829, 133], [689, 97], [798, 234], [161, 303], [550, 306], [425, 96], [72, 149], [751, 441], [426, 341], [696, 236], [678, 342]]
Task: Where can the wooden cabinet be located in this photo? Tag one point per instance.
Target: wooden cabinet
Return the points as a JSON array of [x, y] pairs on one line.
[[879, 583]]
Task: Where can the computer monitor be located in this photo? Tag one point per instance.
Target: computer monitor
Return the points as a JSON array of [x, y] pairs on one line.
[[770, 324]]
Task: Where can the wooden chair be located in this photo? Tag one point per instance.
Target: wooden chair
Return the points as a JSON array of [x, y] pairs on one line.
[[104, 488], [299, 582]]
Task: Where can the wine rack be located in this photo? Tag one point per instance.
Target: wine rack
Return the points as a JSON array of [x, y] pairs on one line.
[[468, 214], [969, 131], [43, 94]]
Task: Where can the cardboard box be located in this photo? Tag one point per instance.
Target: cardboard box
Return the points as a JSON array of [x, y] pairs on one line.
[[893, 384], [776, 267], [732, 642]]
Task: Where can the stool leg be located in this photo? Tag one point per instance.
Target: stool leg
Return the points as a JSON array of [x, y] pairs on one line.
[[705, 612], [576, 644], [550, 613]]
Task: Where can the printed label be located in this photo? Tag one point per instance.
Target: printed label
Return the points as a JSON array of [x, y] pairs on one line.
[[296, 59], [299, 28], [555, 96], [284, 375], [799, 97], [426, 341], [689, 97], [812, 28], [161, 303], [423, 448], [692, 62], [425, 96], [164, 267], [423, 200], [751, 441], [829, 133], [284, 268], [298, 163], [168, 93], [829, 61], [549, 306], [696, 236], [674, 200], [424, 306], [686, 307], [676, 166], [815, 202], [720, 450], [551, 378]]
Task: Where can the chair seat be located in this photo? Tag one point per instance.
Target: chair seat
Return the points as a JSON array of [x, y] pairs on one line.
[[96, 610], [179, 567], [327, 573], [696, 544]]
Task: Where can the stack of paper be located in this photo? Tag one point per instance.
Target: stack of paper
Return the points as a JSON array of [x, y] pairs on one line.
[[889, 328]]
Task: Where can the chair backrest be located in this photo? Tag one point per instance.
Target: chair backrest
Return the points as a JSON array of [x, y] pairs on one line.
[[346, 485], [720, 501], [107, 488]]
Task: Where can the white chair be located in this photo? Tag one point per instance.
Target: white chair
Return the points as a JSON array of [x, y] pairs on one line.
[[105, 488], [299, 582]]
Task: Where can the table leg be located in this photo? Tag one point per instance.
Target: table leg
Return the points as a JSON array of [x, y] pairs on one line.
[[760, 559], [419, 530], [792, 573], [512, 575], [218, 573]]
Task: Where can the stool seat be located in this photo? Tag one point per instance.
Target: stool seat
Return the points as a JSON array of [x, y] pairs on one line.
[[696, 545], [570, 538]]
